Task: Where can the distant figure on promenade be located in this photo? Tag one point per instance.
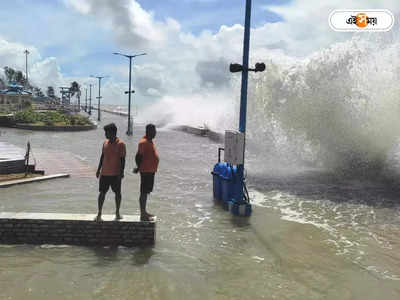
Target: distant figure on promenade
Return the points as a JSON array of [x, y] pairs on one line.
[[111, 169], [147, 163]]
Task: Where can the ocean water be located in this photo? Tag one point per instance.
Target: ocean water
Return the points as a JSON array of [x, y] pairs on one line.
[[311, 236]]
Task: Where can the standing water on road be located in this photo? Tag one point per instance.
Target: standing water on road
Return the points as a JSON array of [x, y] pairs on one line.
[[322, 171]]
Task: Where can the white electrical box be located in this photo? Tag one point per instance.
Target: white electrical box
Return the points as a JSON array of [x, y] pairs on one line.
[[234, 147]]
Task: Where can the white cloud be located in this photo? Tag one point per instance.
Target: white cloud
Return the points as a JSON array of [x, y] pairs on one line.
[[81, 6], [12, 54], [180, 64], [305, 27], [183, 55], [41, 72], [46, 73]]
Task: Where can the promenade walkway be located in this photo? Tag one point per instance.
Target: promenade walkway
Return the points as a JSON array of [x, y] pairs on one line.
[[63, 162]]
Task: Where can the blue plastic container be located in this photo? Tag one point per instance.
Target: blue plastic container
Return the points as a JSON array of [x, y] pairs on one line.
[[217, 185], [230, 183]]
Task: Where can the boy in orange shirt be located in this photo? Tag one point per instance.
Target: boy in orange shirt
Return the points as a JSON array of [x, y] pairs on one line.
[[147, 163], [111, 169]]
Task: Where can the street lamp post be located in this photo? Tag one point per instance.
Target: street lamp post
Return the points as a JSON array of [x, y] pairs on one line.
[[244, 68], [90, 99], [26, 67], [65, 92], [99, 97], [86, 100], [129, 131]]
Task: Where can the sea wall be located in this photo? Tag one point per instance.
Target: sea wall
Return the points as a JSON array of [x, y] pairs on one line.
[[73, 229], [55, 128]]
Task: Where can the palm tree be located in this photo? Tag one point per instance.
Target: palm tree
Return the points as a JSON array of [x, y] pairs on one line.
[[75, 89]]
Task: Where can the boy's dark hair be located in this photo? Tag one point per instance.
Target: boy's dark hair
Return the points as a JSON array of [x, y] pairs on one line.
[[110, 127], [150, 127]]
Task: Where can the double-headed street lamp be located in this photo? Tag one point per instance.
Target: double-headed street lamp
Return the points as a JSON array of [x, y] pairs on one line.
[[99, 97], [86, 99], [26, 68], [129, 131], [90, 99], [244, 68]]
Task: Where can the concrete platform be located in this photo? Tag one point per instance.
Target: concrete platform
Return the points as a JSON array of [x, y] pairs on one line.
[[11, 152], [12, 159], [75, 229]]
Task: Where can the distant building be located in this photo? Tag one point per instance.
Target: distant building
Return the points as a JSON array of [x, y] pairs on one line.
[[14, 97]]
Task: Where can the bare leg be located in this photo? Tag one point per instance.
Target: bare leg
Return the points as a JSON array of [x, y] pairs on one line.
[[142, 202], [117, 206], [144, 215], [100, 202]]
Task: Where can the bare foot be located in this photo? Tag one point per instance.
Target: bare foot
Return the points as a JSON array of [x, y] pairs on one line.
[[146, 217], [98, 218]]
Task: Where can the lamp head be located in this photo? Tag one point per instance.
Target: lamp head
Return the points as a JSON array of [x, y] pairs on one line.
[[235, 68], [260, 67]]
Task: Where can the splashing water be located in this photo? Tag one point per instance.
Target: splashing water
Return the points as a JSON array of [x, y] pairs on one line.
[[213, 110], [338, 107]]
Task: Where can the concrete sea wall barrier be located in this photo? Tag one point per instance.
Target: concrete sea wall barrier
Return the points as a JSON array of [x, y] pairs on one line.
[[75, 229], [55, 128], [12, 159], [202, 131]]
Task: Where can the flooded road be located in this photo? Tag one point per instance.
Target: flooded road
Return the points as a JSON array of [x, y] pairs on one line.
[[311, 235]]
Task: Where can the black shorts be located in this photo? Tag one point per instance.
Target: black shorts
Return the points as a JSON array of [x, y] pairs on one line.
[[146, 183], [107, 181]]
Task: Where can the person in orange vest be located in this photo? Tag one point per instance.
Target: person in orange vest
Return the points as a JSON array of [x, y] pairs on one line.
[[147, 163], [111, 169]]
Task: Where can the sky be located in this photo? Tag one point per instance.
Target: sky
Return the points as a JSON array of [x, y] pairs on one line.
[[188, 43]]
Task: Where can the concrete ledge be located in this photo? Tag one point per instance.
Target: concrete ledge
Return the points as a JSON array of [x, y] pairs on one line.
[[202, 131], [29, 180], [55, 128], [74, 229], [119, 113]]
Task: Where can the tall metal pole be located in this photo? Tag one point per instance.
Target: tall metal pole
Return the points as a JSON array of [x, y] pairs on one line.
[[245, 73], [98, 105], [99, 97], [26, 67], [129, 131], [86, 100], [90, 99]]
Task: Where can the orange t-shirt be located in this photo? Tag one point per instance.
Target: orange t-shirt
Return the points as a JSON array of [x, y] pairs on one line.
[[149, 154], [113, 152]]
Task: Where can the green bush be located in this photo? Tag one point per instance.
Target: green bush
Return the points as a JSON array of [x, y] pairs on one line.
[[26, 116], [79, 120], [50, 118]]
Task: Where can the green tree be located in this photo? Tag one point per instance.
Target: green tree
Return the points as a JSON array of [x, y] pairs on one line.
[[75, 89], [50, 92], [38, 92], [20, 78], [10, 74]]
